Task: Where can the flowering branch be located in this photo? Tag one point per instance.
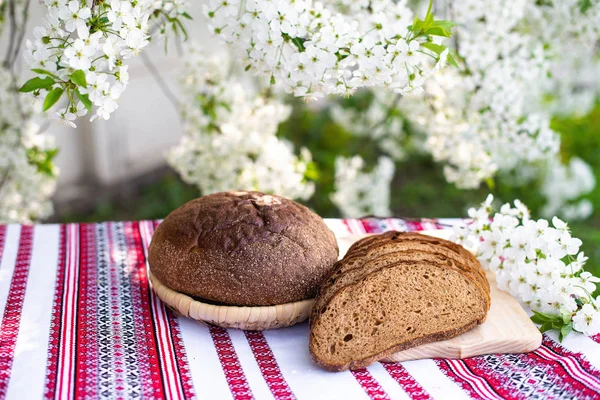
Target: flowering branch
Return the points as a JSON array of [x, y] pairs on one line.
[[333, 47], [539, 264], [27, 171], [82, 50], [231, 134]]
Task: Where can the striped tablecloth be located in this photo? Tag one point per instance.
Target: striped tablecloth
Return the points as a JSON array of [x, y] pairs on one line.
[[79, 320]]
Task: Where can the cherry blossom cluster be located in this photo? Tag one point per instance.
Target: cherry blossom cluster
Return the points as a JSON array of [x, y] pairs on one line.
[[333, 47], [519, 62], [80, 54], [230, 135], [475, 135], [564, 185], [359, 192], [27, 171], [537, 262], [485, 116], [571, 33]]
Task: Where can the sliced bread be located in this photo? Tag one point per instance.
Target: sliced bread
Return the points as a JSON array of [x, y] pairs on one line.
[[364, 254], [394, 292]]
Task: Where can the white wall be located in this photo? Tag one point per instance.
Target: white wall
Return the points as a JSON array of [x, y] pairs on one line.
[[138, 134]]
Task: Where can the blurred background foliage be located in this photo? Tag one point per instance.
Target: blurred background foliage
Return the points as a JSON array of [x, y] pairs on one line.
[[419, 188]]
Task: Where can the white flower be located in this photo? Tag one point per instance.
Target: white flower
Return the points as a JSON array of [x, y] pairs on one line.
[[97, 40], [25, 191], [527, 257], [136, 40], [563, 187], [587, 320], [118, 11], [78, 55], [313, 49], [65, 118], [560, 224], [569, 244], [74, 16], [358, 193], [110, 51], [230, 139]]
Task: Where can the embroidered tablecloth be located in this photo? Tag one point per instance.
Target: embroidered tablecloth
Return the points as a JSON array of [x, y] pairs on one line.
[[79, 320]]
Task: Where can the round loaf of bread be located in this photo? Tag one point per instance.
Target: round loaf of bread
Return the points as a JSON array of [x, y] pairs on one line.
[[244, 249]]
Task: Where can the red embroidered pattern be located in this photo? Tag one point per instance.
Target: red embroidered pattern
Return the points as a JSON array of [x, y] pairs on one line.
[[175, 376], [86, 314], [369, 384], [181, 357], [9, 329], [406, 381], [234, 374], [2, 239], [268, 365], [459, 378], [149, 361], [575, 362], [55, 322]]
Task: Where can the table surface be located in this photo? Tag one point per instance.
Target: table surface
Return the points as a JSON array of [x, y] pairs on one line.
[[79, 320]]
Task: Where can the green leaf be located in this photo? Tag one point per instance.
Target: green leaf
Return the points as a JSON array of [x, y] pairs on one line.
[[541, 318], [296, 41], [584, 5], [52, 97], [564, 331], [44, 72], [248, 67], [429, 26], [42, 159], [85, 99], [436, 48], [451, 60], [445, 24], [557, 324], [437, 31], [312, 172], [546, 327], [272, 80], [429, 8], [36, 84], [186, 15], [78, 78]]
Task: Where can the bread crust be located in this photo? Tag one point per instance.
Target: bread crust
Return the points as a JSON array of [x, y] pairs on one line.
[[438, 337], [243, 248], [471, 270], [361, 249], [357, 273]]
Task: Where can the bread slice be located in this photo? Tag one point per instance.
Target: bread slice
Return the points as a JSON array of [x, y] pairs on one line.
[[365, 254], [389, 300], [416, 252]]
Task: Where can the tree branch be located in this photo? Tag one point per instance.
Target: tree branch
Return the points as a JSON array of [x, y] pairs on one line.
[[13, 30], [164, 87], [4, 179], [22, 28]]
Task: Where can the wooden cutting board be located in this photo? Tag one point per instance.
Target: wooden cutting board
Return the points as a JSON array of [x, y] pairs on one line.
[[507, 328]]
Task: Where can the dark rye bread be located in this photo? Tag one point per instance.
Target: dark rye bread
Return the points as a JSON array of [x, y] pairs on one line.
[[243, 249], [363, 252], [407, 251], [394, 300]]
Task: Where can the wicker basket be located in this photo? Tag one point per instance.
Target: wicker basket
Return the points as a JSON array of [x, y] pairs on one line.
[[249, 318]]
